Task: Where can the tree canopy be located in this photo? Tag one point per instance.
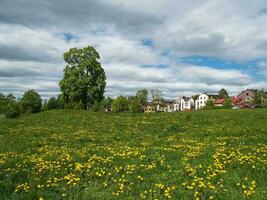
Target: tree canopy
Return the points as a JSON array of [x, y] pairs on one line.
[[142, 96], [31, 102], [223, 93], [120, 104], [84, 78]]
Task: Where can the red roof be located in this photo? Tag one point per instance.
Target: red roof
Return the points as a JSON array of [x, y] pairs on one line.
[[219, 101], [234, 100]]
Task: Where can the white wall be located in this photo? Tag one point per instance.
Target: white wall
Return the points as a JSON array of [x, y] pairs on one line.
[[201, 101]]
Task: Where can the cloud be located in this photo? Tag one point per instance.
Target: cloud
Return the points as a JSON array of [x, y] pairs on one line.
[[142, 44], [262, 68]]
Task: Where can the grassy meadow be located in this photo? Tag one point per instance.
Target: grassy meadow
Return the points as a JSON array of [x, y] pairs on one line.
[[66, 154]]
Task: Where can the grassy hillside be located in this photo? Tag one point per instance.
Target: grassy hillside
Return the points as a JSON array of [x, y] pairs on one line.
[[66, 154]]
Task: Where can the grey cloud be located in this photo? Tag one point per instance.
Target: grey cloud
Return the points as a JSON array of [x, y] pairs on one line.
[[201, 44], [18, 72], [66, 13], [30, 33], [17, 53]]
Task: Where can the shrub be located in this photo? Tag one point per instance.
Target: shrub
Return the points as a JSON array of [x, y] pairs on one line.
[[120, 104], [52, 103], [45, 106], [12, 110], [209, 105], [228, 104], [96, 107], [2, 103], [78, 106], [31, 102], [135, 105], [60, 101]]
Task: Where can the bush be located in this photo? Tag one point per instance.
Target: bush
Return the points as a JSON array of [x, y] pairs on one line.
[[12, 110], [120, 104], [60, 101], [228, 104], [2, 103], [52, 103], [31, 102], [209, 105], [45, 106], [96, 107], [135, 105], [78, 106]]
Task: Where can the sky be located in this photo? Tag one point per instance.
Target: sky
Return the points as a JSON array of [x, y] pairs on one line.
[[179, 47]]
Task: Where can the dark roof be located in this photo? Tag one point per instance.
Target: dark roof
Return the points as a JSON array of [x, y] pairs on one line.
[[186, 98]]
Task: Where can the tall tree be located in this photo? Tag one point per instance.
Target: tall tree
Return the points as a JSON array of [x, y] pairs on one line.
[[3, 103], [31, 102], [156, 94], [84, 78], [223, 93], [120, 104], [142, 96]]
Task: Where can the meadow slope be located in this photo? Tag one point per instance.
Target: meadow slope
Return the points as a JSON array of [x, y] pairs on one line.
[[65, 154]]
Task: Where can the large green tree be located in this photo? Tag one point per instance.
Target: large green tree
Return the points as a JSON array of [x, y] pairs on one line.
[[84, 78], [120, 104], [223, 93], [3, 103], [31, 102], [142, 96]]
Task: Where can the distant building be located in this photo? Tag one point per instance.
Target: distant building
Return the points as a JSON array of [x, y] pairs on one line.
[[201, 100], [187, 103], [149, 108], [234, 100], [246, 96], [219, 102]]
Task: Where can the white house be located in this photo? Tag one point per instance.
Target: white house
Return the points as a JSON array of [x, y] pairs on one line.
[[176, 105], [202, 99], [186, 103]]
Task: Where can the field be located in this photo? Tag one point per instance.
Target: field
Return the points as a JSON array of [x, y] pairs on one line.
[[64, 154]]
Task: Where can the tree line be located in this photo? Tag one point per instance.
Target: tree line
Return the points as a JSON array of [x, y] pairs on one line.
[[82, 87], [31, 102]]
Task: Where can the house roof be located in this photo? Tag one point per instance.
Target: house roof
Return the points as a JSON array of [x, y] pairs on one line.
[[186, 98], [219, 101], [249, 90], [234, 100], [212, 95]]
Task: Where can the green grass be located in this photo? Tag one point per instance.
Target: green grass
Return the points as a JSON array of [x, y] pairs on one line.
[[65, 154]]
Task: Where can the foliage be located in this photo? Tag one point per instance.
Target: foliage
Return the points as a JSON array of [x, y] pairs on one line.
[[3, 103], [209, 105], [12, 110], [120, 104], [52, 103], [31, 102], [264, 103], [135, 104], [223, 93], [45, 106], [228, 104], [259, 99], [155, 94], [78, 106], [142, 96], [60, 101], [104, 105], [68, 154], [84, 78]]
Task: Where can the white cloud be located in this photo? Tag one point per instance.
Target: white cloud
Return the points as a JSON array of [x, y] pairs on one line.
[[32, 43]]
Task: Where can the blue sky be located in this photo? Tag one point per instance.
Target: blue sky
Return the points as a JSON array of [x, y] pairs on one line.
[[181, 50]]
